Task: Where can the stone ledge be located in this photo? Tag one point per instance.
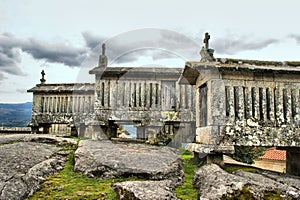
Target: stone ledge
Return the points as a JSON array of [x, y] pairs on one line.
[[209, 149]]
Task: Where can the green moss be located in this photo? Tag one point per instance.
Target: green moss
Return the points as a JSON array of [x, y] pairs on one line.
[[187, 190], [231, 167], [70, 185], [244, 194]]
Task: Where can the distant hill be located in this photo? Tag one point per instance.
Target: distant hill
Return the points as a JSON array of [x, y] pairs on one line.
[[15, 115]]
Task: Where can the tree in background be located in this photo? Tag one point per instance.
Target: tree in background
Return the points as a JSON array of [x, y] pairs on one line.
[[248, 154]]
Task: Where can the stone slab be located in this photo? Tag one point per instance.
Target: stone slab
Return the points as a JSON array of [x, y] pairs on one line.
[[25, 165], [106, 159]]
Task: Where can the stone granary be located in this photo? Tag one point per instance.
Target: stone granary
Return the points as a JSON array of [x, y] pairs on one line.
[[148, 98], [62, 109], [232, 102], [246, 103]]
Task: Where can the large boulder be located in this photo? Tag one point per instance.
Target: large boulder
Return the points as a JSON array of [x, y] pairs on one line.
[[24, 165], [215, 183], [106, 159], [145, 190]]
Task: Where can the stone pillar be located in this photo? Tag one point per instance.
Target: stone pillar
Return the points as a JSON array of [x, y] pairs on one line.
[[293, 161], [140, 132]]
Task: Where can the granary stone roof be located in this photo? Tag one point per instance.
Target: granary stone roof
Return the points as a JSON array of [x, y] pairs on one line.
[[191, 70], [63, 87], [137, 71], [259, 65]]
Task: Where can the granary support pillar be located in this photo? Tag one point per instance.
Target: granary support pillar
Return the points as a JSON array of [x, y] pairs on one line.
[[293, 161]]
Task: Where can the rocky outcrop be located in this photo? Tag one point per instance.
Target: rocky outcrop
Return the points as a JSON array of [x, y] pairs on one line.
[[215, 183], [25, 165], [162, 166], [41, 138], [145, 190], [106, 159]]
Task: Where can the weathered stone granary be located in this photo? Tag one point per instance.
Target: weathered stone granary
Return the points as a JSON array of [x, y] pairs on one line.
[[62, 109], [246, 103], [151, 99]]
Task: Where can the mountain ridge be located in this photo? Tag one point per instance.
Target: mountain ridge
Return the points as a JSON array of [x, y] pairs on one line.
[[15, 114]]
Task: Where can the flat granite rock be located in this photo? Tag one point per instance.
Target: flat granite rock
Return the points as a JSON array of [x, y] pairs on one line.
[[41, 138], [106, 159], [215, 183], [25, 165], [145, 190]]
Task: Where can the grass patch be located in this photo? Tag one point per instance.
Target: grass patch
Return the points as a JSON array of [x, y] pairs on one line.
[[70, 185], [244, 194], [187, 190], [231, 168]]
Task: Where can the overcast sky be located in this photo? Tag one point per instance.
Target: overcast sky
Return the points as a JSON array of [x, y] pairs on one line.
[[64, 37]]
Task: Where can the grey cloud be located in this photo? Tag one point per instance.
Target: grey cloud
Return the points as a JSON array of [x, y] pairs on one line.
[[11, 48], [10, 55], [130, 46], [295, 37], [92, 40], [55, 53], [2, 77], [231, 45]]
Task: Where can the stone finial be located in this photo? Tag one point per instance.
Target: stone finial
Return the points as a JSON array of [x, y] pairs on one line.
[[206, 40], [207, 54], [103, 57], [43, 80]]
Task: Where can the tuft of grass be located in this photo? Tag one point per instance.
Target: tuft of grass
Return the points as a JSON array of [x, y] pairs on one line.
[[187, 190]]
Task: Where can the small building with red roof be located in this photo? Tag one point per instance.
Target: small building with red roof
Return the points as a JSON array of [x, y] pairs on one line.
[[273, 159]]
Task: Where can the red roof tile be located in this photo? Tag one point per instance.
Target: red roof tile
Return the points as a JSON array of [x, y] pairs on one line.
[[274, 154]]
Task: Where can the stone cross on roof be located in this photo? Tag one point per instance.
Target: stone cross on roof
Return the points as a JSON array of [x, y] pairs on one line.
[[206, 40], [103, 58], [207, 54], [43, 80]]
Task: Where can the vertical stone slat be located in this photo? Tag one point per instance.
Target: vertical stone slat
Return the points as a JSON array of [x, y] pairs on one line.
[[107, 94], [231, 104], [241, 109], [113, 94], [101, 93], [71, 104], [158, 94], [295, 106], [75, 104], [143, 94], [154, 89], [132, 94], [288, 105], [148, 101], [78, 104], [126, 94], [183, 96], [270, 104], [120, 94], [263, 104], [255, 102], [58, 104], [178, 96], [278, 93], [55, 105], [248, 103]]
